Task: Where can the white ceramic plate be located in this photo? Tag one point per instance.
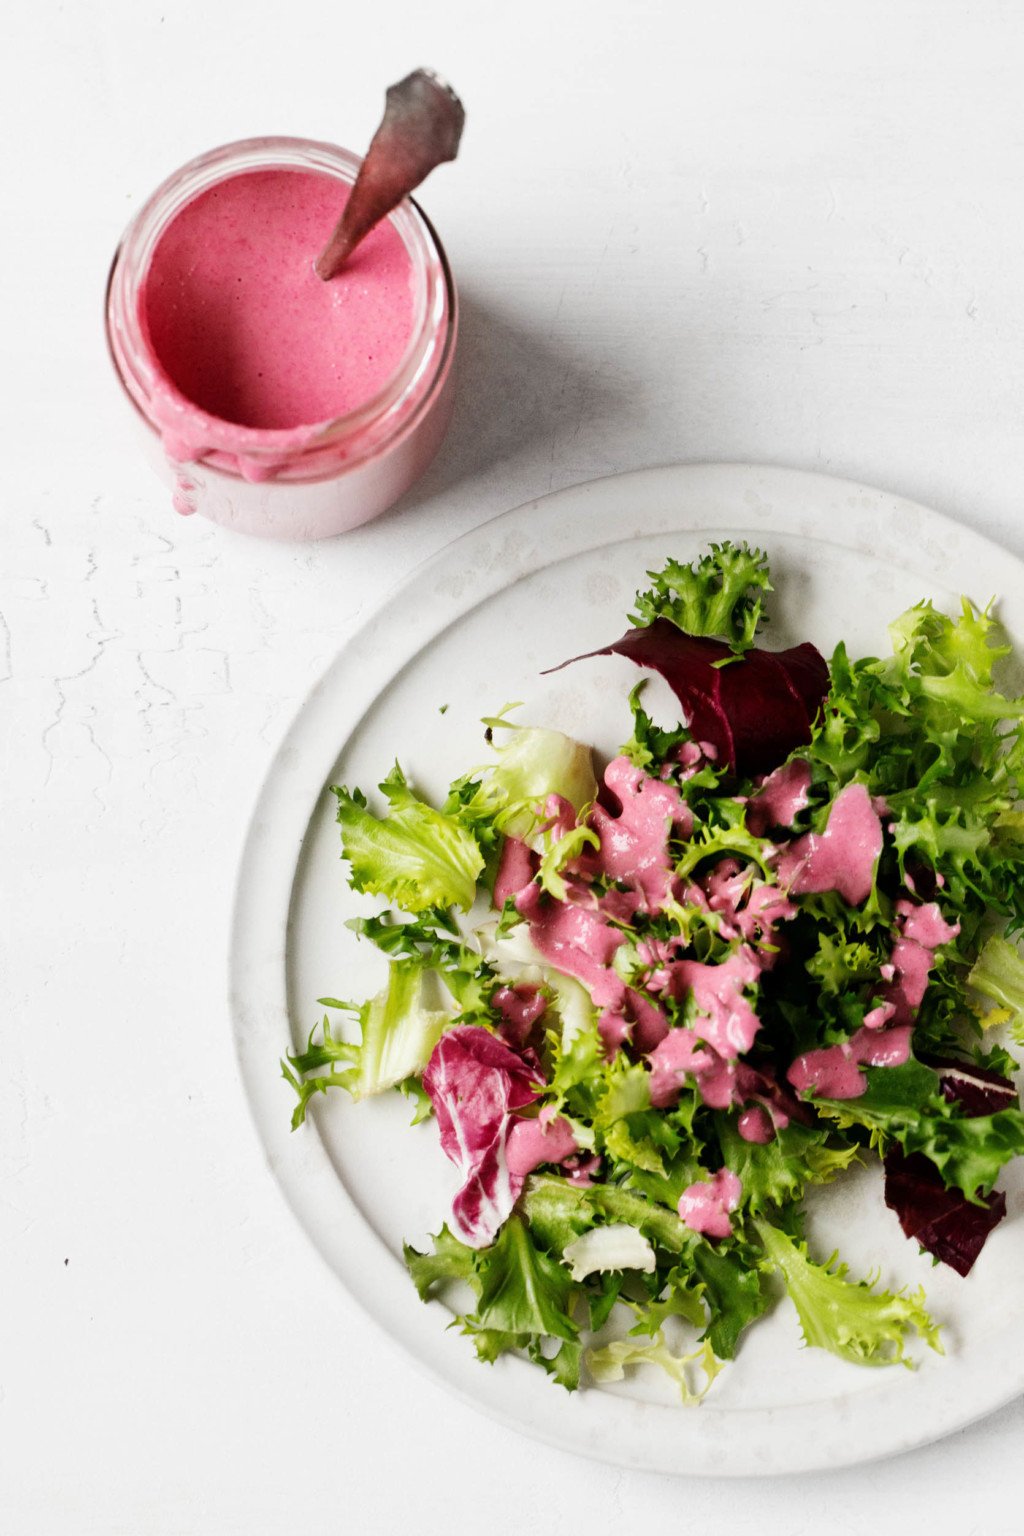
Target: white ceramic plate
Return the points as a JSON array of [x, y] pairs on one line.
[[472, 630]]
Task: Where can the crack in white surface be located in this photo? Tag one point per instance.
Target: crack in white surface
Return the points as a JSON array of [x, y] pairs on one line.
[[101, 642], [6, 652]]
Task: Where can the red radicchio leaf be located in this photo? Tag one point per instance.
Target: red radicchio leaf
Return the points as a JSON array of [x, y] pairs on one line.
[[942, 1220], [754, 710], [978, 1090], [475, 1081]]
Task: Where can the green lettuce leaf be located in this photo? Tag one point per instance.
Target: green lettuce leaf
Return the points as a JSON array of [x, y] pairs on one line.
[[532, 763], [557, 1211], [523, 1297], [998, 974], [433, 941], [398, 1034], [718, 595], [415, 856], [692, 1373], [850, 1319], [734, 1291], [904, 1104], [558, 853], [522, 1290], [777, 1172], [927, 732], [450, 1260]]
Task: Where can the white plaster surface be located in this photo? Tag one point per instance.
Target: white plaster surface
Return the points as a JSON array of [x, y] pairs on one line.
[[776, 231]]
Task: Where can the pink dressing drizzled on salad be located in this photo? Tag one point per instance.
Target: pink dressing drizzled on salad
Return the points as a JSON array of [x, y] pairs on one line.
[[533, 1142], [843, 857], [559, 817], [631, 1017], [879, 1016], [755, 1125], [924, 924], [520, 1007], [722, 1083], [729, 1023], [634, 842], [780, 797], [576, 940], [749, 908], [620, 906], [650, 1026], [921, 929], [581, 1169], [884, 1039], [706, 1207], [834, 1072], [692, 755], [516, 869], [680, 1053]]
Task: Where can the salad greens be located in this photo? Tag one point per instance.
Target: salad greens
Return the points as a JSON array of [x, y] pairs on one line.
[[650, 1015]]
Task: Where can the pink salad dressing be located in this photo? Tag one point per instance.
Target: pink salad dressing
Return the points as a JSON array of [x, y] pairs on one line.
[[244, 329], [516, 869], [921, 930], [576, 940], [533, 1142], [722, 1083], [749, 908], [834, 1073], [843, 857], [729, 1023], [884, 1040], [755, 1125], [634, 842], [520, 1007], [780, 798], [680, 1053], [706, 1207]]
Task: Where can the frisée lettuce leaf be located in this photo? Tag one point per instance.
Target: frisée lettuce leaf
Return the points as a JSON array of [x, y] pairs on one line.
[[414, 856]]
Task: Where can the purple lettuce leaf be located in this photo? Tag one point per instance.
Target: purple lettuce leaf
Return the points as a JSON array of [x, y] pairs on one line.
[[755, 710], [943, 1221]]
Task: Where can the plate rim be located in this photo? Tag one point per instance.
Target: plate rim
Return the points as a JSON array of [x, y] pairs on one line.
[[775, 1440]]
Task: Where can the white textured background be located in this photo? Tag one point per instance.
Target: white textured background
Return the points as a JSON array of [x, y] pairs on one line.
[[790, 232]]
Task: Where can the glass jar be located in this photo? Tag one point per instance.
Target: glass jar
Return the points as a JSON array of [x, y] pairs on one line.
[[295, 483]]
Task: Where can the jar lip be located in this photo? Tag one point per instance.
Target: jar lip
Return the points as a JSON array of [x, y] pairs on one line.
[[140, 370]]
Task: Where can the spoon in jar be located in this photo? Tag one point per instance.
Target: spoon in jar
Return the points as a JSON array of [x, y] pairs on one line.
[[421, 127]]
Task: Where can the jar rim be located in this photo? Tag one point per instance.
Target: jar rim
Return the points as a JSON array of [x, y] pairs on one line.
[[268, 449]]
